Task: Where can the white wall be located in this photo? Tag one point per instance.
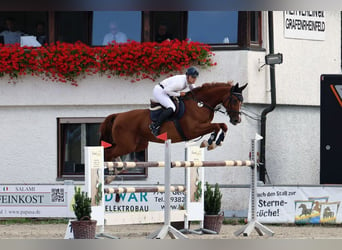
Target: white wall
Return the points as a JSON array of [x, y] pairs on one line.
[[29, 110], [298, 78], [293, 145]]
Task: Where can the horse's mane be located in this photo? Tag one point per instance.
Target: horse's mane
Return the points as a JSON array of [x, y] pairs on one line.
[[205, 86]]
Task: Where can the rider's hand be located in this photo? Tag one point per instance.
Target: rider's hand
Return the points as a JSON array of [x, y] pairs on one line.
[[182, 93]]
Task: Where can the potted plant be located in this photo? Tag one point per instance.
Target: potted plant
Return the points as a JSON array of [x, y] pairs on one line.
[[213, 219], [83, 227]]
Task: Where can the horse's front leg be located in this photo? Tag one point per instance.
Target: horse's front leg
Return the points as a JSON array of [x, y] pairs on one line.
[[209, 144], [221, 137], [214, 128]]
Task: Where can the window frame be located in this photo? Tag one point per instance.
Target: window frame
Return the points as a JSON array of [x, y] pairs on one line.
[[60, 147], [148, 19], [244, 30], [244, 38]]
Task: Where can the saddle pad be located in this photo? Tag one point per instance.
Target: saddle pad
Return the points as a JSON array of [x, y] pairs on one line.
[[155, 112]]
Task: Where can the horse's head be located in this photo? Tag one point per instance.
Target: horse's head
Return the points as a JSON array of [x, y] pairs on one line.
[[233, 103]]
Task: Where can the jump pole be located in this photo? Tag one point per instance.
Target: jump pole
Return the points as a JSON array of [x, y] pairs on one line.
[[254, 223], [167, 228]]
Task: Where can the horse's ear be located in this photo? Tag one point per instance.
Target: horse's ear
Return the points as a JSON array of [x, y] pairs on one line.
[[243, 87], [235, 87]]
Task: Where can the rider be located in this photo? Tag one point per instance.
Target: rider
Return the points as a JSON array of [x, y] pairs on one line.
[[171, 86]]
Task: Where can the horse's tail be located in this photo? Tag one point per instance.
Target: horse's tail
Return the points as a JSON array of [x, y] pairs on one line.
[[106, 129]]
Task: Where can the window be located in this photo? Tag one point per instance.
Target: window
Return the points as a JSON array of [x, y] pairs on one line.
[[255, 27], [221, 29], [172, 22], [126, 22], [76, 133], [249, 34], [72, 26], [213, 27], [24, 22]]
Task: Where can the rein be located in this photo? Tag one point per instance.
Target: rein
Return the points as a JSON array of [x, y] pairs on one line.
[[200, 102], [238, 95]]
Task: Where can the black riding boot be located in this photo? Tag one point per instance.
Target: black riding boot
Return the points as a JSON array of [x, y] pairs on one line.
[[155, 126]]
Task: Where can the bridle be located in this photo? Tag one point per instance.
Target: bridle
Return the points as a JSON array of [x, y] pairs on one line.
[[227, 99]]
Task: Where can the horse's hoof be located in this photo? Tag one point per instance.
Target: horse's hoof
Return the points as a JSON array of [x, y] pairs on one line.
[[211, 147], [109, 179], [117, 159], [204, 144]]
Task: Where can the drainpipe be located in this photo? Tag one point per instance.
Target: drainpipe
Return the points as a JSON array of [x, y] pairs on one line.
[[271, 107]]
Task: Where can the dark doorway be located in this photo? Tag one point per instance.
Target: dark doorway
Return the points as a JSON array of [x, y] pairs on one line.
[[331, 129]]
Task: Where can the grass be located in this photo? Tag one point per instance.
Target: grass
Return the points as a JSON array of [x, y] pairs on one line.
[[228, 221], [234, 221]]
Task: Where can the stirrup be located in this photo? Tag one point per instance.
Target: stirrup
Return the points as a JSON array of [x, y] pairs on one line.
[[154, 129]]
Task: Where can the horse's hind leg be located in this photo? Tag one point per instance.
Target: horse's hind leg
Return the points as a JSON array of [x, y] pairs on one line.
[[108, 154]]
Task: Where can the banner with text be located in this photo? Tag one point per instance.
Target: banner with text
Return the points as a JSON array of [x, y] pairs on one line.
[[33, 201], [38, 201], [300, 205], [142, 202], [308, 25]]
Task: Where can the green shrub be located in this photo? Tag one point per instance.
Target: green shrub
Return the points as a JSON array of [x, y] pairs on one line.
[[212, 199], [82, 205]]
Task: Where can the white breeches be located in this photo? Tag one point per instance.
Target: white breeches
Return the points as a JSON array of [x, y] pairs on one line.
[[160, 96]]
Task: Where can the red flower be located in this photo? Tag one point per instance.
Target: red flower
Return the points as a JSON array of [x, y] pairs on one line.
[[65, 62]]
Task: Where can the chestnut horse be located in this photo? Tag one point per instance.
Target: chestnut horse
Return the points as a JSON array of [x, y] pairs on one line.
[[129, 131]]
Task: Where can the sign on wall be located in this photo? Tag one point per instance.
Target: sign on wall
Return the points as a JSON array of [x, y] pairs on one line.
[[308, 25], [55, 201], [33, 201], [141, 202], [299, 205]]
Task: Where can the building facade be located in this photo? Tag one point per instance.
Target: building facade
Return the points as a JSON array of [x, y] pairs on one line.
[[33, 111]]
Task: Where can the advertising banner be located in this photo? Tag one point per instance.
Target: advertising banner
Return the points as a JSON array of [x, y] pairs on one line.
[[300, 205], [55, 201], [36, 201], [142, 202], [275, 204]]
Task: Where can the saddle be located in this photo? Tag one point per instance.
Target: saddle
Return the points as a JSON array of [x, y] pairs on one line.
[[156, 108]]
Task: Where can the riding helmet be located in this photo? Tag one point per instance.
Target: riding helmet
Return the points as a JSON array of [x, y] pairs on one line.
[[192, 71]]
